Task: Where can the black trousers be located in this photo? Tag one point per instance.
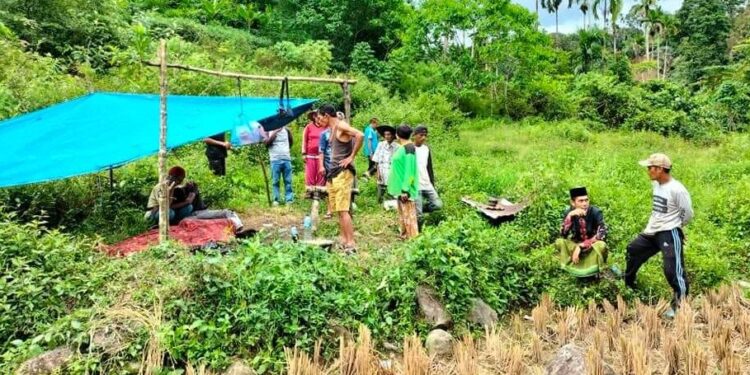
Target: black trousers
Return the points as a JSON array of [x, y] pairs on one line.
[[669, 243], [372, 166], [217, 166]]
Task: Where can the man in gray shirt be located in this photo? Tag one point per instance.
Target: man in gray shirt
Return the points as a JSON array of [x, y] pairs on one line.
[[672, 209], [279, 142]]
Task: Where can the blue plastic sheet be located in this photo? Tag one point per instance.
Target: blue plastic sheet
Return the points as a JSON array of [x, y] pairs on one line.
[[102, 130]]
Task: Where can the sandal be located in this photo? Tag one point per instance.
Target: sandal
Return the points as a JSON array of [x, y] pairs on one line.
[[346, 249]]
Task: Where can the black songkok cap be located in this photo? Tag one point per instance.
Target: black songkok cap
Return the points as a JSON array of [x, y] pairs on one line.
[[578, 192]]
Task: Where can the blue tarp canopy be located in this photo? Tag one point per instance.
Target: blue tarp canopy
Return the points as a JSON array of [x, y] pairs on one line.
[[103, 130]]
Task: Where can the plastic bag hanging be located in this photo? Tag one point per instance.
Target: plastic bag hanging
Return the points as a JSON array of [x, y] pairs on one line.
[[243, 131]]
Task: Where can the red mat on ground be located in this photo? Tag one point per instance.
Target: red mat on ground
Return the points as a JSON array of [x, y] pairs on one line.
[[190, 232]]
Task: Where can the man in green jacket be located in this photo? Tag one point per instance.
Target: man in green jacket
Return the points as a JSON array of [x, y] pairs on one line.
[[403, 182]]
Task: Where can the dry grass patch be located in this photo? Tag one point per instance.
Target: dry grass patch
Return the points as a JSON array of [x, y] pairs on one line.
[[708, 335]]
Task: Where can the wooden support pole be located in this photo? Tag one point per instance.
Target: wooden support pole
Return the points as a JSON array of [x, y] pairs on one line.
[[163, 182], [251, 76], [265, 178], [347, 102], [111, 180]]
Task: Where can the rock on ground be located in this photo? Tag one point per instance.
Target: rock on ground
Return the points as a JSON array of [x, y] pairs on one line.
[[439, 343], [570, 359], [239, 368], [432, 308], [49, 362], [481, 313]]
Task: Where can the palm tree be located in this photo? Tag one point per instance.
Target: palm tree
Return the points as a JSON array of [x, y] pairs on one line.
[[662, 24], [605, 11], [584, 6], [553, 6], [642, 10], [615, 9]]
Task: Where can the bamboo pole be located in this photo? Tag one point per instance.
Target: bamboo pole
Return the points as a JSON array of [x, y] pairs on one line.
[[164, 198], [347, 102], [251, 76], [265, 178], [111, 180]]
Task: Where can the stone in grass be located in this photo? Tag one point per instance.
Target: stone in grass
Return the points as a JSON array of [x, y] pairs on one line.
[[439, 343], [570, 360], [432, 308], [481, 313], [112, 338], [239, 368], [391, 347], [340, 331], [51, 362]]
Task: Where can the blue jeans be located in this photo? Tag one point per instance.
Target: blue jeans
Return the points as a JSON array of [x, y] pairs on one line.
[[174, 216], [279, 168]]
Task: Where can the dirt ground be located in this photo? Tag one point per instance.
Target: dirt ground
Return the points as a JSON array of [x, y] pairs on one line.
[[373, 230]]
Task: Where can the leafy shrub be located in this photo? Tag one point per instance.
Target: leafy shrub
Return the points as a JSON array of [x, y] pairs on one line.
[[732, 100], [313, 56], [46, 276], [79, 31], [363, 61], [620, 68], [666, 94], [263, 299], [433, 110], [549, 97], [30, 81], [476, 104], [515, 105], [464, 259], [238, 42], [573, 131], [664, 122], [602, 98]]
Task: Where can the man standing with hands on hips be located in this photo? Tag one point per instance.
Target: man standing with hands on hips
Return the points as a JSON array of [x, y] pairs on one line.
[[672, 209]]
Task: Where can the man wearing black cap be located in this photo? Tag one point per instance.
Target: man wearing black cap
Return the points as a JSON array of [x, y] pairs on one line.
[[429, 199], [583, 252], [672, 209], [382, 157]]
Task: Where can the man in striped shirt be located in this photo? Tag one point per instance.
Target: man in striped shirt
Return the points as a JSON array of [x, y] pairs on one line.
[[672, 210]]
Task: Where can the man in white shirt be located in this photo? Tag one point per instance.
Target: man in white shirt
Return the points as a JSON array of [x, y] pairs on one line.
[[429, 200], [672, 209]]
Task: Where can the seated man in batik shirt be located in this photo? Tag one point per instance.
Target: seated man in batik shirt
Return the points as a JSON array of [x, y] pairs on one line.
[[583, 252]]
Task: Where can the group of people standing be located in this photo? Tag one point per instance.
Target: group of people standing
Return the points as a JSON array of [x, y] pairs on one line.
[[402, 168], [398, 158]]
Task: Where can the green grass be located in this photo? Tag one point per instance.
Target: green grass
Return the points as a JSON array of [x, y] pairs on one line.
[[262, 297]]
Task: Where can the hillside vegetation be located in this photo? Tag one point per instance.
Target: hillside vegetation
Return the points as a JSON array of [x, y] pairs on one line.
[[513, 111]]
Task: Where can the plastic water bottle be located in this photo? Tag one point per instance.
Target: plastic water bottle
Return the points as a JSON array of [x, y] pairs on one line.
[[307, 225], [294, 233]]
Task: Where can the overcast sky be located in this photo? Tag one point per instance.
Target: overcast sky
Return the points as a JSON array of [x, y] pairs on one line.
[[572, 19]]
